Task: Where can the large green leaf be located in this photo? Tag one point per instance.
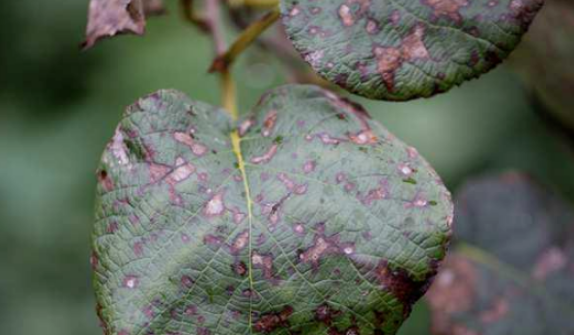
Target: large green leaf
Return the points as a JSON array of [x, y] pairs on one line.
[[402, 49], [310, 218], [513, 271]]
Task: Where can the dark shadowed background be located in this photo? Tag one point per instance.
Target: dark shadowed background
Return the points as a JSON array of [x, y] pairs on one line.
[[59, 106]]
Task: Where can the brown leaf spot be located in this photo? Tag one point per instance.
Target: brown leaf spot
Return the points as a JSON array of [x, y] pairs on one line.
[[263, 262], [105, 180], [215, 206], [245, 126], [448, 8], [240, 242], [413, 46], [364, 137], [389, 59], [181, 172], [118, 149], [378, 193], [197, 148], [267, 323], [348, 18], [401, 284], [266, 157], [269, 123], [346, 15], [239, 268], [323, 246], [325, 314]]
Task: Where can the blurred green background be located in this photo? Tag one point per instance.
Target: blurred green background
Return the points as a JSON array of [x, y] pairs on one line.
[[58, 107]]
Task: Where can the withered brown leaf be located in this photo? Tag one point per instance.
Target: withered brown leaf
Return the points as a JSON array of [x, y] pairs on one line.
[[108, 18]]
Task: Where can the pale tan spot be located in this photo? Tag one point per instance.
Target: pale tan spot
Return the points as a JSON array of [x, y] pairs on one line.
[[448, 8]]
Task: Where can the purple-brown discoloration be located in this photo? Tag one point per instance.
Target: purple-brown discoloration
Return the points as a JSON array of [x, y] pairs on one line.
[[378, 193], [269, 322], [215, 206], [239, 268], [245, 126], [197, 148], [347, 16], [453, 292], [266, 157], [402, 285], [324, 246], [325, 314], [240, 242], [263, 262], [390, 59], [105, 180], [447, 8], [291, 185], [269, 123]]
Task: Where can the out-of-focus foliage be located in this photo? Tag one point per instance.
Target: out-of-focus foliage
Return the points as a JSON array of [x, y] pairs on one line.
[[59, 106], [545, 58], [511, 268]]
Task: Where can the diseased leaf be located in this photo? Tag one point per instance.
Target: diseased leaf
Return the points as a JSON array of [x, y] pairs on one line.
[[513, 271], [309, 218], [545, 58], [401, 50], [108, 18]]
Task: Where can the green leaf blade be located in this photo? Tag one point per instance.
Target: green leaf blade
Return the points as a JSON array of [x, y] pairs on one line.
[[304, 234], [402, 50]]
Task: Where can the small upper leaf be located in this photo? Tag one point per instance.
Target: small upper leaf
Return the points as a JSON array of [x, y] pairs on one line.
[[108, 18], [306, 218], [400, 50], [514, 271]]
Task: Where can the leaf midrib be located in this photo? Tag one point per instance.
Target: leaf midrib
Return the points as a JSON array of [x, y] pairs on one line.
[[236, 144]]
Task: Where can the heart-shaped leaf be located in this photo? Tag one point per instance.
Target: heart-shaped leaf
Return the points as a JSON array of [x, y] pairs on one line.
[[108, 18], [400, 50], [513, 272], [308, 218]]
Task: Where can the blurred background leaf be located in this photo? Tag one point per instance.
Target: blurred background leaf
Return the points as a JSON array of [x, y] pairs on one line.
[[59, 106], [510, 270], [545, 59]]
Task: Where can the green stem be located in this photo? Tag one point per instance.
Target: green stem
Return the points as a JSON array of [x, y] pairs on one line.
[[247, 37]]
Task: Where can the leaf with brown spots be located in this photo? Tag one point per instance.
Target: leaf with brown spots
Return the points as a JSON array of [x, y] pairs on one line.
[[402, 50], [512, 269], [108, 18], [296, 220]]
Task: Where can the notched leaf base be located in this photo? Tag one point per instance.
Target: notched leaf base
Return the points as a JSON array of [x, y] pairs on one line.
[[307, 217]]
